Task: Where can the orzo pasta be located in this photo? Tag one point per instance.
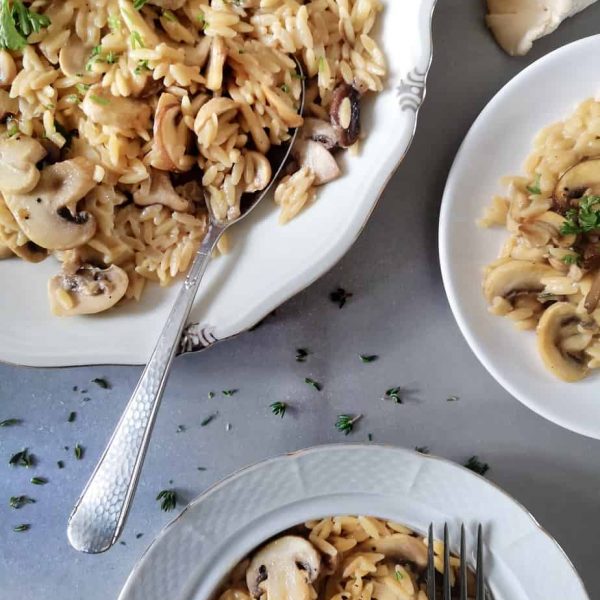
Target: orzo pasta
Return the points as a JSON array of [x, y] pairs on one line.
[[341, 558], [548, 275], [118, 118]]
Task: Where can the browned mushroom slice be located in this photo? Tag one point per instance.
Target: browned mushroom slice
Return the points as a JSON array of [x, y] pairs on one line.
[[345, 113], [115, 111], [590, 254], [583, 176], [18, 170], [48, 214], [320, 131], [318, 159], [30, 252], [158, 189], [74, 56], [86, 290], [593, 296], [8, 105], [284, 569], [400, 547], [171, 137]]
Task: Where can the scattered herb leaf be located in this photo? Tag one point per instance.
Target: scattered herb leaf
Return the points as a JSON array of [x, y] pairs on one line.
[[22, 459], [477, 466], [72, 417], [10, 422], [571, 259], [100, 381], [180, 429], [422, 449], [211, 395], [19, 501], [395, 394], [301, 354], [21, 527], [345, 423], [142, 66], [340, 296], [138, 536], [370, 437], [398, 575], [60, 464], [535, 188], [78, 452], [138, 4], [368, 358], [201, 468], [136, 40], [583, 219], [229, 392], [39, 480], [208, 419], [169, 16], [285, 88], [168, 499], [278, 409], [313, 383]]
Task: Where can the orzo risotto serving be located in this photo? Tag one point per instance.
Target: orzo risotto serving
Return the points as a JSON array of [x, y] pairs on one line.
[[548, 275], [118, 118], [340, 558]]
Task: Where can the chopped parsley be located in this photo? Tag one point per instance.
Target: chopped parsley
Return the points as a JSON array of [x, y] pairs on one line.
[[345, 423], [102, 102], [100, 381], [422, 449], [169, 16], [584, 219], [211, 395], [535, 188], [17, 22], [278, 409], [138, 4], [229, 392], [180, 429], [60, 464], [571, 259], [340, 296], [285, 88], [10, 422], [141, 67], [21, 527], [22, 459], [477, 466], [136, 40], [313, 383], [168, 499], [368, 358], [114, 23], [82, 88], [72, 416], [20, 501], [78, 452], [398, 575], [39, 480]]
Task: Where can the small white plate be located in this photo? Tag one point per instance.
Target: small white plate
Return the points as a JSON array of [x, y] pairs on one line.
[[268, 264], [195, 552], [497, 145]]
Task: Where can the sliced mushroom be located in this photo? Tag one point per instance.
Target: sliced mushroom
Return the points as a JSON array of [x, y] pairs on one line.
[[74, 56], [18, 158], [399, 547], [261, 169], [320, 131], [516, 277], [345, 113], [171, 136], [318, 159], [158, 189], [552, 331], [284, 569], [546, 227], [115, 111], [592, 298], [8, 105], [30, 252], [8, 68], [86, 290], [48, 214], [583, 176], [590, 253]]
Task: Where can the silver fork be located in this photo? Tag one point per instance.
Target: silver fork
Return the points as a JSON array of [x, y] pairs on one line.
[[480, 593]]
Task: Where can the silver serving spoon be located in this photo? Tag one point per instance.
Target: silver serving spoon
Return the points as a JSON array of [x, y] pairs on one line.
[[100, 512]]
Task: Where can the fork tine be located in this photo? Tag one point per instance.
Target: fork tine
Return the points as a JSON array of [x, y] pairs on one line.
[[446, 564], [480, 587], [430, 566], [463, 564]]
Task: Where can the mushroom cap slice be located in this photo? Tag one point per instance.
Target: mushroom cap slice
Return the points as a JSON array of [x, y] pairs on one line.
[[516, 276], [574, 182], [320, 131], [284, 569], [565, 366], [30, 252], [158, 189], [400, 547], [18, 158], [73, 57], [86, 290], [345, 113], [115, 111], [318, 159], [48, 214]]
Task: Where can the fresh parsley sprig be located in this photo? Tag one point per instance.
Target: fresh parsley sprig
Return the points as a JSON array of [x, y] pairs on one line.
[[345, 423], [278, 409], [168, 499], [17, 23], [584, 219]]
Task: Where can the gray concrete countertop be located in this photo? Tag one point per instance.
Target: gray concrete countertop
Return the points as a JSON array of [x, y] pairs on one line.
[[398, 311]]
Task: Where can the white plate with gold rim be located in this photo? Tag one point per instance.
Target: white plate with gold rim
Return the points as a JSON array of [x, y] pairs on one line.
[[193, 554], [267, 264], [497, 145]]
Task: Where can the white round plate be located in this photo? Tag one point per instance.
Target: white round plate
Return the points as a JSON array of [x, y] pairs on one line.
[[267, 264], [497, 145], [195, 552]]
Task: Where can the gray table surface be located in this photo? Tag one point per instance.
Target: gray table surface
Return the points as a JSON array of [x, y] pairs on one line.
[[398, 311]]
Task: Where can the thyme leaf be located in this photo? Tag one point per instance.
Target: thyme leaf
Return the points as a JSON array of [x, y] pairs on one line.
[[168, 499], [278, 409], [345, 423]]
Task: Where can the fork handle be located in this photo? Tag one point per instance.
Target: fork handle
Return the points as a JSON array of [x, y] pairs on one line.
[[100, 513]]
